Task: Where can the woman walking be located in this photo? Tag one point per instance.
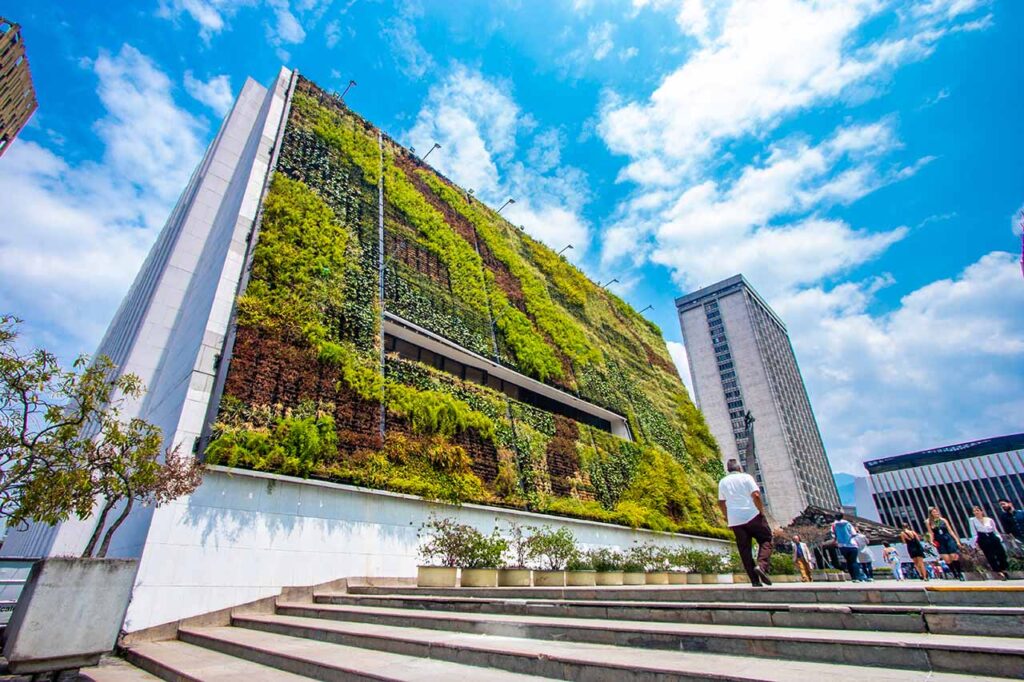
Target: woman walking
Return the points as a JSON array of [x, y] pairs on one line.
[[915, 549], [892, 558], [945, 538], [986, 537]]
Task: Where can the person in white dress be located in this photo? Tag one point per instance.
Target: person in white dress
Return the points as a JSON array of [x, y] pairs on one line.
[[985, 535]]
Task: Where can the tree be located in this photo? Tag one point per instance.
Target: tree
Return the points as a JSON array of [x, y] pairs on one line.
[[64, 444]]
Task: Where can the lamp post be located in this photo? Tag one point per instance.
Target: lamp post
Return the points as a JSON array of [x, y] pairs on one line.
[[611, 281], [646, 309], [429, 151], [510, 201], [564, 249], [350, 84]]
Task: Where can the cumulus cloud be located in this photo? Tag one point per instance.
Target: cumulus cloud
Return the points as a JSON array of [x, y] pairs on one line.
[[288, 26], [75, 239], [479, 125], [215, 93], [682, 363]]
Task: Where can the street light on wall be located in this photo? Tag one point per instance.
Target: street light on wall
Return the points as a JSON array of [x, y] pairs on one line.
[[436, 146], [350, 84], [564, 249], [611, 281], [510, 201], [646, 309]]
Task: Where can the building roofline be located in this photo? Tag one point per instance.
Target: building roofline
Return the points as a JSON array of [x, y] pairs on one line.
[[947, 453], [695, 298]]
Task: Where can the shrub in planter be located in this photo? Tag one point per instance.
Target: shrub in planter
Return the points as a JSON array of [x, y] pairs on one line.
[[442, 545], [608, 564], [481, 557], [516, 571], [580, 571], [633, 570], [550, 550], [782, 565]]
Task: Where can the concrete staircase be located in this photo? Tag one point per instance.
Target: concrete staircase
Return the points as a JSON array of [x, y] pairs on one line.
[[896, 632]]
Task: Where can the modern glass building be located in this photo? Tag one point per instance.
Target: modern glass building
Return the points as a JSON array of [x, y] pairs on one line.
[[747, 383], [953, 478]]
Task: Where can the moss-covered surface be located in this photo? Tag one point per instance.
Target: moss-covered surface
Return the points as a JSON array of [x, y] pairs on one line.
[[306, 394]]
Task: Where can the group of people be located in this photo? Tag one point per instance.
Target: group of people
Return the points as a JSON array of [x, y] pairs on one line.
[[740, 501]]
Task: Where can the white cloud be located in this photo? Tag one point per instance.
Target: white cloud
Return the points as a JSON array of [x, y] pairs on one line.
[[680, 358], [211, 15], [75, 238], [944, 366], [288, 26], [599, 40], [628, 53], [332, 33], [215, 93], [407, 51], [477, 123]]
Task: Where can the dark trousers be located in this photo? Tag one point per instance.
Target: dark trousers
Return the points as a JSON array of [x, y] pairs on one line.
[[758, 529], [994, 551], [852, 565]]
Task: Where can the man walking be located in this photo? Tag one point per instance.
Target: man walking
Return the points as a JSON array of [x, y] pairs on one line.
[[844, 531], [1012, 520], [802, 558], [743, 508]]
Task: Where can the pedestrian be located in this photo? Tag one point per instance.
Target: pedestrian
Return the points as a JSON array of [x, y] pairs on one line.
[[915, 549], [740, 501], [1012, 520], [945, 538], [986, 538], [802, 558], [844, 531], [867, 569], [891, 557]]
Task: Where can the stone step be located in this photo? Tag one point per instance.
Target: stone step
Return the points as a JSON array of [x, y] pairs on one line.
[[950, 594], [115, 670], [309, 658], [585, 661], [991, 621], [177, 661], [949, 653]]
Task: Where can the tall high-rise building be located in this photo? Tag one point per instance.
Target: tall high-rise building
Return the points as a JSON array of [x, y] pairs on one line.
[[748, 385], [17, 96]]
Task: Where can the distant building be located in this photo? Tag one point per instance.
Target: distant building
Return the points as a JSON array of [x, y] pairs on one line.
[[17, 96], [952, 478], [742, 363]]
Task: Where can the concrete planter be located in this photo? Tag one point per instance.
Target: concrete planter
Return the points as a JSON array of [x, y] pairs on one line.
[[693, 579], [656, 578], [515, 577], [69, 614], [634, 579], [740, 578], [1015, 575], [709, 578], [479, 577], [581, 578], [725, 579], [819, 576], [435, 576], [608, 578], [677, 578], [549, 578], [785, 578]]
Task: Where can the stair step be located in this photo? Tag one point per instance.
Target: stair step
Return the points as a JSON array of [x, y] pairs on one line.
[[472, 640], [178, 661], [991, 621], [323, 660], [958, 594], [115, 670]]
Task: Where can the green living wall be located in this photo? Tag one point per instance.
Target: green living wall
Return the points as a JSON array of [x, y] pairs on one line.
[[306, 393]]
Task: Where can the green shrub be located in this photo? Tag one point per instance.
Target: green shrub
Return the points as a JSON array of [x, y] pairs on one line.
[[781, 563], [433, 412], [482, 551], [443, 542], [551, 550], [605, 559]]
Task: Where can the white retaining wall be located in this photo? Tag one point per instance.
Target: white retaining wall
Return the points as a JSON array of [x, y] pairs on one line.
[[244, 535]]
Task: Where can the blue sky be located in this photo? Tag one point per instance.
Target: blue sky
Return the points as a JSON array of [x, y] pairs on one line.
[[857, 160]]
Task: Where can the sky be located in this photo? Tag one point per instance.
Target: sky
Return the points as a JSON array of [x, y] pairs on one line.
[[859, 161]]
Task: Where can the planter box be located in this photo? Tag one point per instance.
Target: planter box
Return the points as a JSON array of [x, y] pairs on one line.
[[479, 577], [634, 579], [740, 578], [515, 577], [677, 578], [69, 614], [608, 578], [581, 578], [435, 576], [693, 579], [709, 578], [549, 578], [783, 578], [725, 579], [819, 576], [656, 578]]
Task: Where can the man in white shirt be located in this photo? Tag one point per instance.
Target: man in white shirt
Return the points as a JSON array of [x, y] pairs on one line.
[[740, 501]]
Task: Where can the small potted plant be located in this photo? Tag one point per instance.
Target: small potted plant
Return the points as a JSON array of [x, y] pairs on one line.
[[550, 550], [634, 569], [440, 550], [782, 568], [710, 566], [739, 573], [580, 571], [656, 564], [608, 564], [481, 556], [516, 572], [686, 561]]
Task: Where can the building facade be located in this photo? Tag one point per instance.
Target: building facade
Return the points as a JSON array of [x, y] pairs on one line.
[[747, 383], [17, 95], [953, 478]]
